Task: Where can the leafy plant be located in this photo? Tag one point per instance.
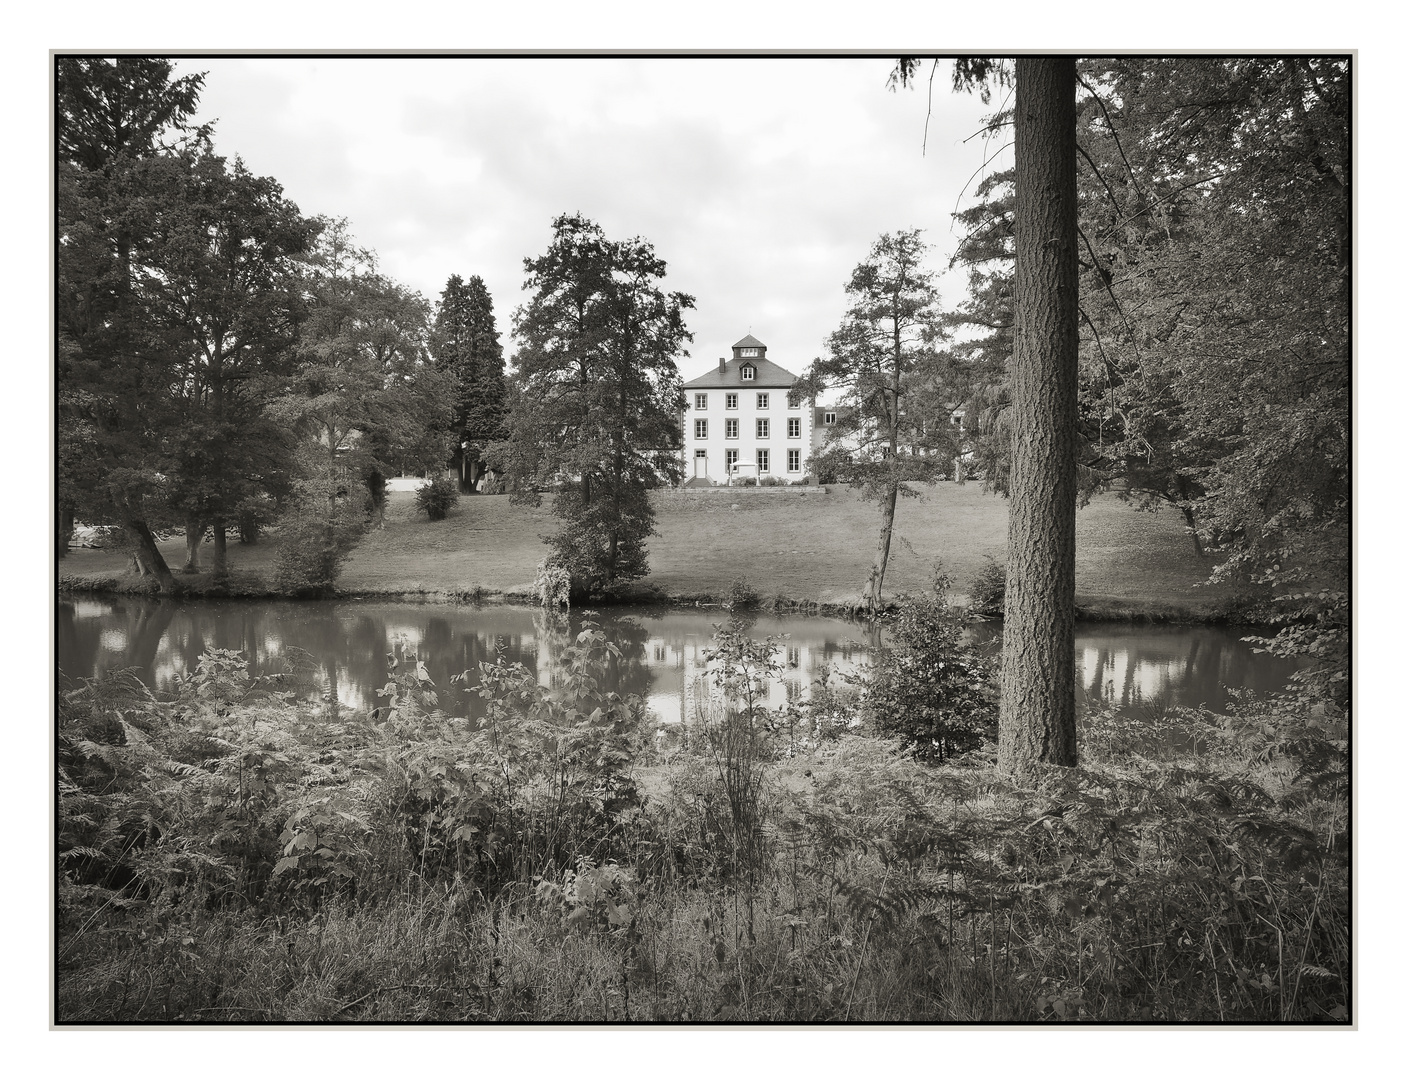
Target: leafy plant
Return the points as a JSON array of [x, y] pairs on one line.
[[317, 533], [927, 686], [741, 595], [437, 497], [553, 585], [737, 738], [987, 593]]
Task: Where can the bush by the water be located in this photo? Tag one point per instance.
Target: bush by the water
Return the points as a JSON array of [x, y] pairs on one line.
[[238, 851], [437, 497], [926, 685], [315, 536], [987, 593], [741, 595]]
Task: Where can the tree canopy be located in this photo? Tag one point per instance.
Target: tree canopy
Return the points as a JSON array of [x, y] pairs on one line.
[[598, 396], [896, 388], [465, 346], [210, 336]]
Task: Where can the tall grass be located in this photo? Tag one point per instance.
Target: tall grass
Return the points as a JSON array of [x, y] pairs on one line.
[[235, 854]]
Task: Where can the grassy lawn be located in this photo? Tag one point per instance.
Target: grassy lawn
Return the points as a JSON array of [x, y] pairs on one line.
[[818, 547]]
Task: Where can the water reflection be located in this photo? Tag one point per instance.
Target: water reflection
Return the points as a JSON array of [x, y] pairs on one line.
[[345, 646]]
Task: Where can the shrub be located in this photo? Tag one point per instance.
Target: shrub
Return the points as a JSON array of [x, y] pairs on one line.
[[742, 595], [737, 742], [987, 593], [553, 585], [769, 481], [437, 496], [745, 481], [928, 687], [602, 542], [315, 537]]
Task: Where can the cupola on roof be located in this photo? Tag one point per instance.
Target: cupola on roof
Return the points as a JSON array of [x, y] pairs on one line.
[[749, 368]]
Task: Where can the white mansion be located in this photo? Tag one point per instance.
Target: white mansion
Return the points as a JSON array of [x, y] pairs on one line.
[[744, 419]]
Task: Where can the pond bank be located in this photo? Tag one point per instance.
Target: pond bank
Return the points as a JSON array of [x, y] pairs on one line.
[[242, 587], [802, 555]]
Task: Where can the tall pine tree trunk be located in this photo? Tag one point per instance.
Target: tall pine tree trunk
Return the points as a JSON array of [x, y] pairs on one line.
[[1037, 724]]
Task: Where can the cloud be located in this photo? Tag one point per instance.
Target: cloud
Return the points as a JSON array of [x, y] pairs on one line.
[[760, 182]]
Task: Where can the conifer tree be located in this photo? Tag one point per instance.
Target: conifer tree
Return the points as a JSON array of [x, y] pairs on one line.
[[465, 345], [896, 391], [599, 397]]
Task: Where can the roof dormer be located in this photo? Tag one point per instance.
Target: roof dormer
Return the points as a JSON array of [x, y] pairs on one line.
[[749, 349]]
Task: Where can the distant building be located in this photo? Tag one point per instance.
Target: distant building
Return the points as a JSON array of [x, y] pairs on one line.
[[745, 419]]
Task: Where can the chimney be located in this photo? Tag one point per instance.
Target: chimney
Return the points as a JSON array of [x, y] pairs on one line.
[[722, 366]]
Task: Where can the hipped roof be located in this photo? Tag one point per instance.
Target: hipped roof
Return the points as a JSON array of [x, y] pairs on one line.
[[769, 375]]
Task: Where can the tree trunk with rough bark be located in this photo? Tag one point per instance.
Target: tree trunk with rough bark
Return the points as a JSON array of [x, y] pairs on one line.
[[220, 562], [64, 532], [150, 562], [1191, 519], [1037, 724], [881, 555], [195, 532]]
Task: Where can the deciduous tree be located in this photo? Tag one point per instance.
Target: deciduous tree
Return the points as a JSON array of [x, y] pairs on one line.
[[364, 395]]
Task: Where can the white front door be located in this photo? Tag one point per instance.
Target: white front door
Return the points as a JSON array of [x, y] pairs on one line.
[[701, 463]]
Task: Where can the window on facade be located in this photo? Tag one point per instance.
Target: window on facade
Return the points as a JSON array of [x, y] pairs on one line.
[[748, 372], [764, 460], [764, 429], [762, 401], [793, 461], [731, 459], [700, 453], [794, 427], [793, 400], [732, 401], [701, 429], [701, 401], [830, 418], [730, 429], [751, 352]]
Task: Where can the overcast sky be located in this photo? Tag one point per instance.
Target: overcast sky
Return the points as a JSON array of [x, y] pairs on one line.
[[761, 183]]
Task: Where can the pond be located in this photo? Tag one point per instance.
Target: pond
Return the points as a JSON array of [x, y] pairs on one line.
[[343, 647]]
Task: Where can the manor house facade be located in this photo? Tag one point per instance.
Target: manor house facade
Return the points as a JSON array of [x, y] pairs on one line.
[[744, 419]]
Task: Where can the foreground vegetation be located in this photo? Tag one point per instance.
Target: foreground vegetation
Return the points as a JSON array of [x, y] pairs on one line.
[[817, 548], [239, 853]]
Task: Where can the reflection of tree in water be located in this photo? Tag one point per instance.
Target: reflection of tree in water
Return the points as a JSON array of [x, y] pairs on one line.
[[1190, 668], [347, 645], [626, 674], [146, 626], [77, 641], [630, 672]]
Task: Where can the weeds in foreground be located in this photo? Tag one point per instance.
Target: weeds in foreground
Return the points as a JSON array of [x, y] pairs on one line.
[[233, 853]]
